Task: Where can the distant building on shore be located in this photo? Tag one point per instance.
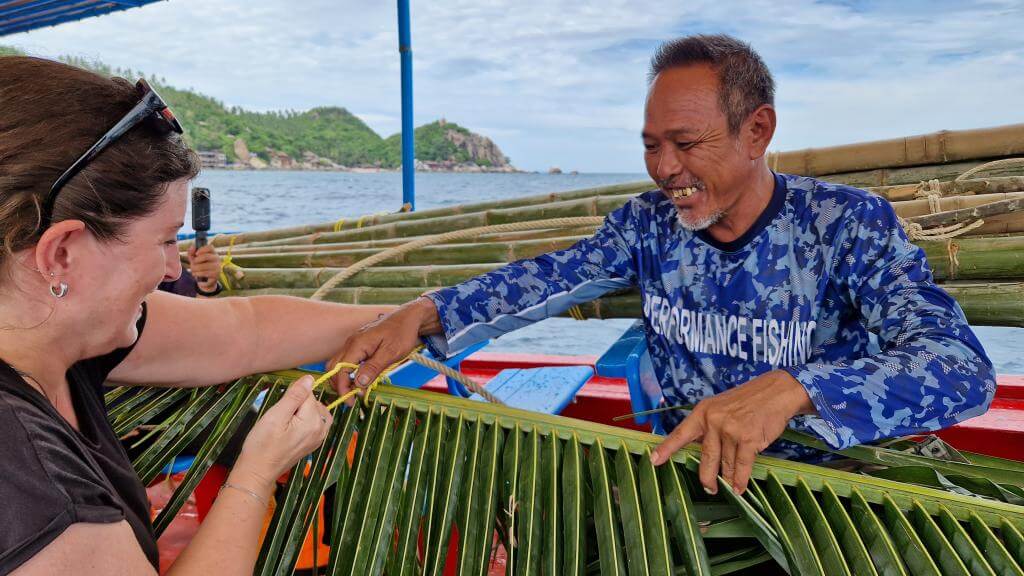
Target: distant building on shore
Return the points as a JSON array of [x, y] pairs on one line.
[[213, 159]]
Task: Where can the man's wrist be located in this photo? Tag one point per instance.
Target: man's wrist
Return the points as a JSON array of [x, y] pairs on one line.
[[425, 312], [796, 395]]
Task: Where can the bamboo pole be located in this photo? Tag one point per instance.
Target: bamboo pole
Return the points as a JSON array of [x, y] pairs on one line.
[[591, 206], [430, 276], [598, 206], [381, 235], [442, 254], [964, 258], [397, 233], [992, 304], [1000, 185], [940, 147], [975, 258], [625, 305], [921, 207], [991, 209], [930, 156], [305, 243], [999, 224], [914, 175], [356, 295], [1012, 224], [315, 244], [631, 188]]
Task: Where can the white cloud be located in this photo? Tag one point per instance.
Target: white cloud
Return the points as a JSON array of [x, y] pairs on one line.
[[562, 82]]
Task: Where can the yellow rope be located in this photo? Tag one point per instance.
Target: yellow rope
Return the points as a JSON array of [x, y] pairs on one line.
[[359, 223], [225, 263], [382, 377], [352, 393], [576, 313], [331, 373]]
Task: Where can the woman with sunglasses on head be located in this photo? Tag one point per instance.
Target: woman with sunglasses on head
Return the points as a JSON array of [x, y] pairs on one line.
[[93, 185]]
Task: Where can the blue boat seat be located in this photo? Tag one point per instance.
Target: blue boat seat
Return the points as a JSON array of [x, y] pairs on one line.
[[548, 390], [628, 358], [415, 375]]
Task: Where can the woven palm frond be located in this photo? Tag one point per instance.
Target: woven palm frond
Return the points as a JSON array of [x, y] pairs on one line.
[[573, 497]]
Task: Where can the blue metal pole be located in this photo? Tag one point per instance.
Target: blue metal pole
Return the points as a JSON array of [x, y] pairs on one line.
[[408, 153]]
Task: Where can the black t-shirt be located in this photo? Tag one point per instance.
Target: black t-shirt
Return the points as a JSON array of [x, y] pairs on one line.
[[185, 285], [52, 476]]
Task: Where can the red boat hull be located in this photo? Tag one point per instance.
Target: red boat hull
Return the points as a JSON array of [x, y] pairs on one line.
[[998, 432]]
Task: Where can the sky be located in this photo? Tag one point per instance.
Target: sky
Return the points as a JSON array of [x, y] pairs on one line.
[[562, 82]]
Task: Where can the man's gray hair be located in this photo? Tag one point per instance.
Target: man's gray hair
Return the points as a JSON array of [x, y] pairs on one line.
[[744, 80]]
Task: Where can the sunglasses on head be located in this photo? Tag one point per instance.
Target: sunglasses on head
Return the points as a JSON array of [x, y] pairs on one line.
[[151, 109]]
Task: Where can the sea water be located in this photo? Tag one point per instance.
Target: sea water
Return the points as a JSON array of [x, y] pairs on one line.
[[260, 200]]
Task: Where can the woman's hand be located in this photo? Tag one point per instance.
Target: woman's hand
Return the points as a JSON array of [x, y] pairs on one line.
[[205, 266], [289, 430]]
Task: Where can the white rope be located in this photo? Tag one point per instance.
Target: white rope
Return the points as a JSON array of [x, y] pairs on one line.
[[447, 237], [917, 232]]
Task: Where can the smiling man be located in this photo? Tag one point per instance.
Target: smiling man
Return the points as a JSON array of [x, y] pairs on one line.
[[769, 300]]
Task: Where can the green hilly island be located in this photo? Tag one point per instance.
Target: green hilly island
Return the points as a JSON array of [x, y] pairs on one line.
[[325, 138]]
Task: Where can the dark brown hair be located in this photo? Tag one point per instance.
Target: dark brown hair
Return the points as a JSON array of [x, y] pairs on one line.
[[50, 114], [745, 83]]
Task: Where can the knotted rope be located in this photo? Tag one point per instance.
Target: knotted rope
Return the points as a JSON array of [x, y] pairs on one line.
[[930, 188], [917, 232]]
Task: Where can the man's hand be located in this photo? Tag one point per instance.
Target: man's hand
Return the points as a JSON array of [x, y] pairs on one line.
[[736, 425], [381, 343], [205, 266]]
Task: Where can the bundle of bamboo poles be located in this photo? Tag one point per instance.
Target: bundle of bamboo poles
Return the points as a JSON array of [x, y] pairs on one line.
[[965, 211]]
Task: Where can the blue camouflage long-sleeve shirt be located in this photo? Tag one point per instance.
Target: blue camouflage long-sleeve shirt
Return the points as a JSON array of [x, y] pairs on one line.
[[825, 285]]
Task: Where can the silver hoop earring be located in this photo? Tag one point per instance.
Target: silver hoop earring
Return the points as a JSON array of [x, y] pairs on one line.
[[61, 291]]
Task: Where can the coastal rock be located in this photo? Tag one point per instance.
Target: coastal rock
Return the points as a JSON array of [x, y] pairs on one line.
[[310, 161], [554, 170], [482, 150], [241, 150], [280, 160]]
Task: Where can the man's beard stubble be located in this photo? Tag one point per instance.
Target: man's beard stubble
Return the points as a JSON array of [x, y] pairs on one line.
[[699, 224]]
